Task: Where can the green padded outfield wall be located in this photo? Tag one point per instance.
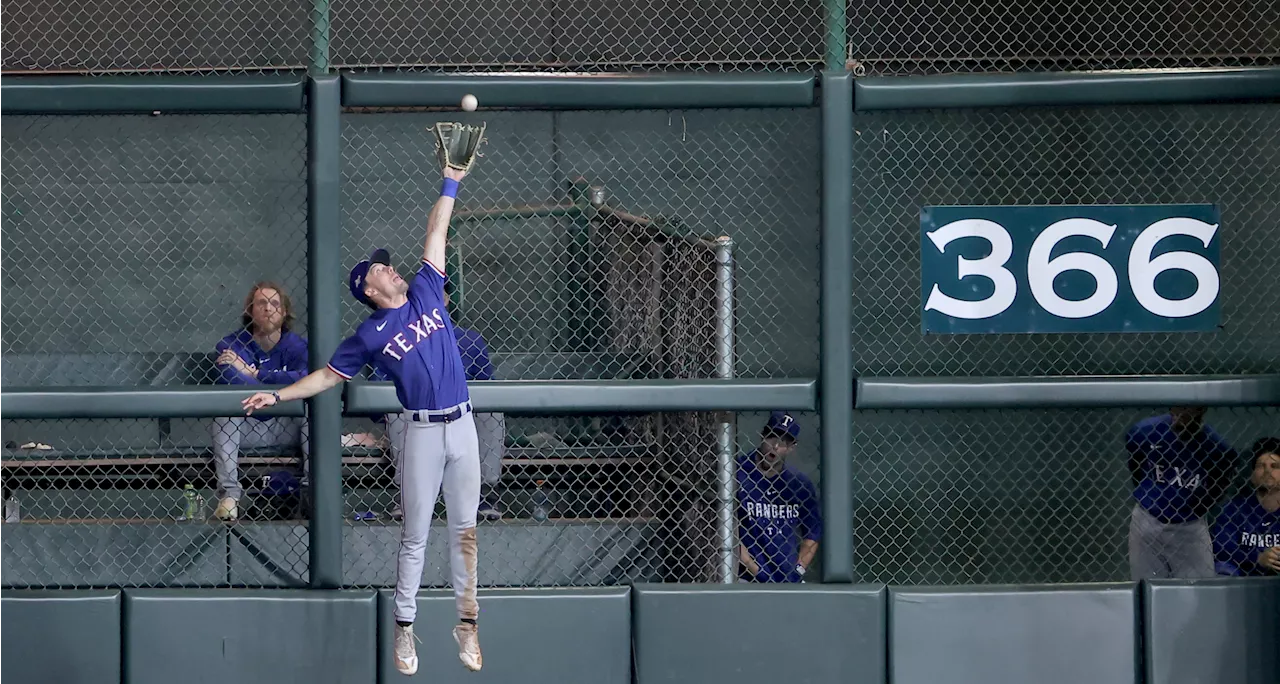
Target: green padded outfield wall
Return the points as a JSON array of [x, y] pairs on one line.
[[1048, 635], [249, 636], [60, 637], [543, 636], [800, 634], [1224, 630]]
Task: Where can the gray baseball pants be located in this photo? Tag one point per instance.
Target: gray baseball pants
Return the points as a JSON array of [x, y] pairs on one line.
[[435, 458], [230, 434], [1159, 550]]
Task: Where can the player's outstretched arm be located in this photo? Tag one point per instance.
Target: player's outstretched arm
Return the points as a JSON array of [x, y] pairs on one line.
[[311, 385], [438, 220]]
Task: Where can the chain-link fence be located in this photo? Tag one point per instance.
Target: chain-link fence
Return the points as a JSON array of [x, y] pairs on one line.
[[133, 243], [587, 244], [134, 247], [141, 502], [1216, 154], [112, 36], [583, 500], [918, 36], [1019, 496], [574, 35], [940, 36], [506, 35]]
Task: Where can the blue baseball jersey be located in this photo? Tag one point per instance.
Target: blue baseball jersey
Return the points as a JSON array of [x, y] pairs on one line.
[[475, 356], [1176, 478], [1242, 531], [774, 514], [413, 345], [285, 364]]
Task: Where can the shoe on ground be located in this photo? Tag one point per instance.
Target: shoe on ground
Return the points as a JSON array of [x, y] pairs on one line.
[[468, 646], [406, 651], [396, 513], [228, 509]]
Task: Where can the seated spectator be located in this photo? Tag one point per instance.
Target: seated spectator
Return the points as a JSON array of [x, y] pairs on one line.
[[1179, 468], [1246, 534], [263, 352], [779, 521], [491, 428]]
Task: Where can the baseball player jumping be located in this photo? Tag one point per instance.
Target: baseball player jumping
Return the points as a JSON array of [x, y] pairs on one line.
[[409, 338]]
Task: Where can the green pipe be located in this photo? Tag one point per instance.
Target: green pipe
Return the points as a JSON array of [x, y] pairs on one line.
[[1077, 391], [835, 395], [837, 42], [577, 397], [319, 37], [506, 213], [325, 277]]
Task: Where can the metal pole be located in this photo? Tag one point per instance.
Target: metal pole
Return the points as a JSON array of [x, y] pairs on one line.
[[319, 37], [835, 389], [324, 278], [837, 42], [727, 446]]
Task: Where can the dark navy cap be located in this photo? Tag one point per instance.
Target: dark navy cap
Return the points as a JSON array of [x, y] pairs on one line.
[[356, 280], [781, 422]]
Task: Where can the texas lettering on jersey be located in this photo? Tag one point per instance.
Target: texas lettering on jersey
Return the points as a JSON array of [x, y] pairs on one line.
[[1176, 476], [423, 328]]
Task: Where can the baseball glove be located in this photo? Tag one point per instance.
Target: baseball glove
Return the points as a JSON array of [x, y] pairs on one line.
[[458, 145]]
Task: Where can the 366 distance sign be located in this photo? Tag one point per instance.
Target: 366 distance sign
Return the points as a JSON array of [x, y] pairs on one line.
[[1069, 268]]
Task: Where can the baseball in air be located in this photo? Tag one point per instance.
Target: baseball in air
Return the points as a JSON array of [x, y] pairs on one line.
[[469, 103]]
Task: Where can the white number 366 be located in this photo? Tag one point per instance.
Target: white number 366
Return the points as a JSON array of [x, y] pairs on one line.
[[1042, 270]]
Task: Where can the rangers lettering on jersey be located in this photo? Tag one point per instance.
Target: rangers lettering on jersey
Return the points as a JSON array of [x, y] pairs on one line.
[[1242, 531]]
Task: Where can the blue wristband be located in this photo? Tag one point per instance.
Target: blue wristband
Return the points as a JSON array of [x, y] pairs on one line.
[[449, 188]]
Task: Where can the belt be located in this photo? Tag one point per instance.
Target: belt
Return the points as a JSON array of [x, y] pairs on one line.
[[440, 416]]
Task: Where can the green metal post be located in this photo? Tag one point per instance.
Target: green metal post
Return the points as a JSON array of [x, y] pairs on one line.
[[325, 277], [319, 37], [835, 393], [837, 43]]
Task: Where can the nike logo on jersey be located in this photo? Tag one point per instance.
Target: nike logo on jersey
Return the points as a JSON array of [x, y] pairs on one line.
[[420, 329], [380, 327]]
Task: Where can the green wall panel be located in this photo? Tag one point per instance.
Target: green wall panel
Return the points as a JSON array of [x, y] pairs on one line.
[[544, 636], [1067, 634], [52, 637], [799, 634], [249, 636], [1212, 631]]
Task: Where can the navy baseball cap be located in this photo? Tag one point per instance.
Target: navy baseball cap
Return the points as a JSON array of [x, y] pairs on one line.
[[356, 280], [781, 423]]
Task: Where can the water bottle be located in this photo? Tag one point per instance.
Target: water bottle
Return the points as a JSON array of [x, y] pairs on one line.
[[541, 503], [190, 504]]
